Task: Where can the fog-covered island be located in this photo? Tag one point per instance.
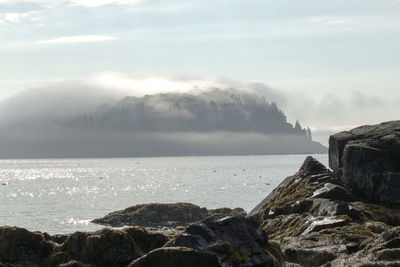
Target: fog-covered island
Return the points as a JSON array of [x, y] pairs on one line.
[[205, 122], [347, 216]]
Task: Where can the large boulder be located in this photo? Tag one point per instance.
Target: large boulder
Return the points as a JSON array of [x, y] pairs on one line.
[[18, 245], [237, 241], [109, 247], [162, 214], [366, 160]]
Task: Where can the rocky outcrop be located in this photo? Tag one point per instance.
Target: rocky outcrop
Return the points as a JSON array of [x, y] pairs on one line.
[[236, 241], [366, 160], [106, 247], [317, 221], [18, 245], [382, 251], [162, 214]]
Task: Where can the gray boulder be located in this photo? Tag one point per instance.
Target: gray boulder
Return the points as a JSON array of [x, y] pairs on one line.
[[237, 241], [366, 160]]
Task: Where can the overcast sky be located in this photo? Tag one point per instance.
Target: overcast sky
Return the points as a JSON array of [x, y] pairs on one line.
[[330, 64]]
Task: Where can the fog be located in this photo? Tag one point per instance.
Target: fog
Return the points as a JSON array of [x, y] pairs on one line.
[[196, 117]]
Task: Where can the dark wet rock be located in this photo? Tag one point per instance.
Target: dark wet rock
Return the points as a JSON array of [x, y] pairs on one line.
[[18, 245], [107, 247], [162, 214], [111, 247], [366, 159], [237, 241], [176, 256]]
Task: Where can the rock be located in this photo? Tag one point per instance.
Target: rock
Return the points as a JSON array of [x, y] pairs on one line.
[[311, 168], [327, 222], [309, 257], [160, 214], [176, 256], [333, 191], [59, 239], [18, 245], [314, 219], [74, 263], [295, 194], [108, 247], [382, 251], [366, 159], [237, 241], [328, 207]]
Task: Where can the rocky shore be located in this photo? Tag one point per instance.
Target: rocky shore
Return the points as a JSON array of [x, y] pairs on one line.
[[348, 215]]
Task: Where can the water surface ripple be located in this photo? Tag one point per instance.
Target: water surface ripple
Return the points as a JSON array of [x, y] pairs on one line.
[[63, 195]]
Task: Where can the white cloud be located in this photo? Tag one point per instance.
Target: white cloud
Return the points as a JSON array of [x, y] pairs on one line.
[[141, 86], [14, 17], [97, 3], [78, 39]]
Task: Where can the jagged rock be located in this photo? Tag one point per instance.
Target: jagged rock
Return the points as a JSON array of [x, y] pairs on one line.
[[161, 214], [382, 251], [237, 241], [310, 168], [176, 256], [295, 194], [327, 222], [366, 159], [328, 207], [315, 219], [333, 191]]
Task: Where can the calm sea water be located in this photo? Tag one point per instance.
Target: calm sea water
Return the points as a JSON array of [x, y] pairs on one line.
[[63, 195]]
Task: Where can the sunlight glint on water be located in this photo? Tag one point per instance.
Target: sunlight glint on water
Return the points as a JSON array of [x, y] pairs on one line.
[[63, 195]]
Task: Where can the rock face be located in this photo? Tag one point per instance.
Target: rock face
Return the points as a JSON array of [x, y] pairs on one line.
[[236, 241], [317, 221], [160, 214], [367, 160]]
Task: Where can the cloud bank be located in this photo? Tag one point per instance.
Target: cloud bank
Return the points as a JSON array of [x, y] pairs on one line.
[[83, 119]]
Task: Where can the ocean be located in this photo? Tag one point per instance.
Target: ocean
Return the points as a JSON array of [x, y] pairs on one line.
[[63, 195]]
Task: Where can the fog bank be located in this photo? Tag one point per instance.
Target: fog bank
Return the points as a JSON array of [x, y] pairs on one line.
[[87, 120]]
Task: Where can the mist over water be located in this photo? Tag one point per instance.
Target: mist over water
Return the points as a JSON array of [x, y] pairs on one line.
[[88, 121]]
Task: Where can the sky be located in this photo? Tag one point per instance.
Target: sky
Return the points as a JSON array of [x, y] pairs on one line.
[[333, 65]]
